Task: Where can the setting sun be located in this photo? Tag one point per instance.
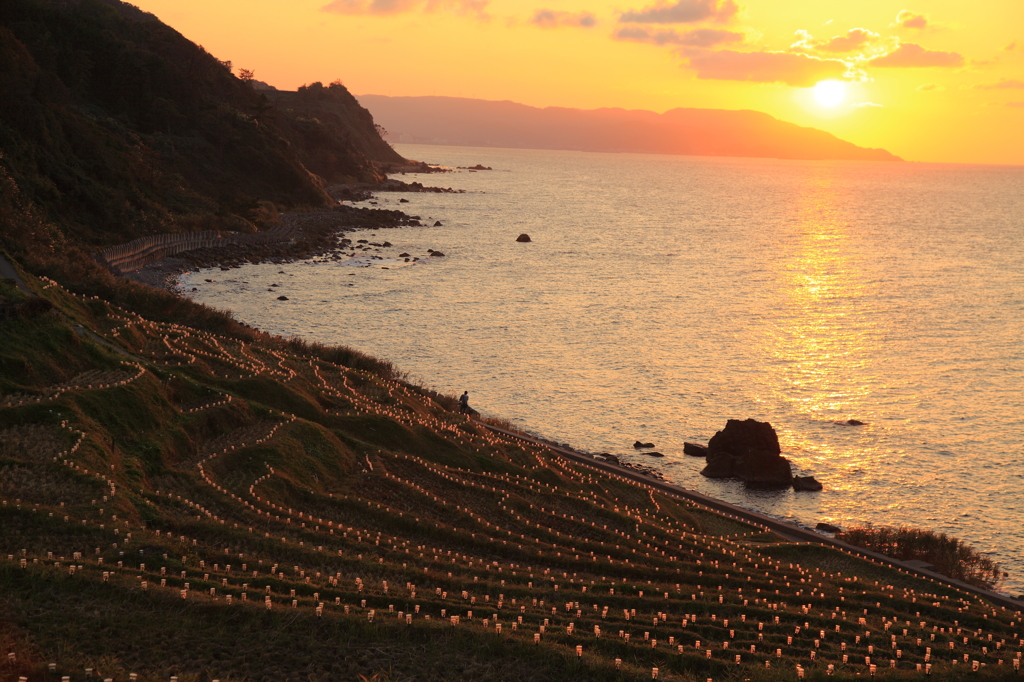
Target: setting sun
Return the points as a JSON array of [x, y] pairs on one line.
[[830, 93]]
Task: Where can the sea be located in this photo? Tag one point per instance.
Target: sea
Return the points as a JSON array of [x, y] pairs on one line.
[[660, 296]]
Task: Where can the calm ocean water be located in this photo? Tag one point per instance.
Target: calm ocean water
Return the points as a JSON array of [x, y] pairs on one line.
[[663, 295]]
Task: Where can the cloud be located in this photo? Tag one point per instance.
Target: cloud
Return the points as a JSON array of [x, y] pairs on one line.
[[910, 55], [550, 18], [701, 37], [1003, 84], [798, 70], [854, 39], [386, 7], [908, 19], [929, 87], [1011, 47], [683, 12]]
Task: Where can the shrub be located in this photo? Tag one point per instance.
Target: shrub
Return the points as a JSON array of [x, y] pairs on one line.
[[950, 556]]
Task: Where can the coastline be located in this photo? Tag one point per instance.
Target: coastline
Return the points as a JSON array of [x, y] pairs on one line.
[[164, 274], [809, 520], [789, 530]]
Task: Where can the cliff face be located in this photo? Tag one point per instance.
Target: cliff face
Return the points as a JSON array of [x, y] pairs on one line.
[[114, 125], [335, 109], [700, 132]]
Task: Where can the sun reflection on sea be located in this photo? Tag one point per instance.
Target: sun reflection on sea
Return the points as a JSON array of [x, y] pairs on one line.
[[819, 341]]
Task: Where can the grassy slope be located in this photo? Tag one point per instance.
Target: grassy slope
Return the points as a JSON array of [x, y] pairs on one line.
[[252, 463], [319, 482]]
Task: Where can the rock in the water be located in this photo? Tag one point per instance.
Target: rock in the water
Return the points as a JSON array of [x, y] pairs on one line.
[[437, 223], [754, 453], [760, 469], [282, 298], [608, 457], [437, 254], [654, 454], [739, 437], [639, 445], [854, 422], [720, 465], [523, 238], [806, 483], [828, 527], [695, 450]]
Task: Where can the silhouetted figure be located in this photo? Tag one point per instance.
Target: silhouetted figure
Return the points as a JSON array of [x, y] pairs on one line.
[[464, 407]]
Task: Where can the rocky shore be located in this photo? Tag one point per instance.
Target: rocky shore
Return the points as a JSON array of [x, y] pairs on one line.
[[312, 234]]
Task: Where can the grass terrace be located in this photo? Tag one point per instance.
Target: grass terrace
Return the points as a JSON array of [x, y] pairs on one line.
[[197, 506]]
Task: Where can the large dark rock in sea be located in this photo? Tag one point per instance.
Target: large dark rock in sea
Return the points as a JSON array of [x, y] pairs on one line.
[[720, 465], [739, 437], [748, 450], [760, 469], [639, 445], [523, 238]]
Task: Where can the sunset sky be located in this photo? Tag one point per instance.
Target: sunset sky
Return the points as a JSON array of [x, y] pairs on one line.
[[929, 80]]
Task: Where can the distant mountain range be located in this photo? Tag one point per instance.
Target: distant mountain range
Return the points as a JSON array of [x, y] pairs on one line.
[[698, 132]]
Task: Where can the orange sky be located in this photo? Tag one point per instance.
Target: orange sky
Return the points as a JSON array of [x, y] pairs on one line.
[[929, 80]]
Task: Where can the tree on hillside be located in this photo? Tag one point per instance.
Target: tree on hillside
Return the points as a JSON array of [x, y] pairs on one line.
[[260, 108]]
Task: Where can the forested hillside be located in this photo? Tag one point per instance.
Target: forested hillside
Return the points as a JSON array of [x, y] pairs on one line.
[[113, 125]]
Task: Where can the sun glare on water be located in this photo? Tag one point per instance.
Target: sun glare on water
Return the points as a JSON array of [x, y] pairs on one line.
[[830, 93]]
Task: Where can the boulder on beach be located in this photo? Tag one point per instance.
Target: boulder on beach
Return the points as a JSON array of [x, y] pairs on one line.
[[695, 450], [523, 238], [828, 527], [608, 457], [806, 483], [639, 445]]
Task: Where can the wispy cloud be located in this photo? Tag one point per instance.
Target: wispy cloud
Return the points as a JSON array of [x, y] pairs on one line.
[[929, 87], [549, 18], [853, 39], [1004, 84], [797, 70], [908, 19], [701, 37], [388, 7], [911, 55], [683, 12], [862, 105]]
